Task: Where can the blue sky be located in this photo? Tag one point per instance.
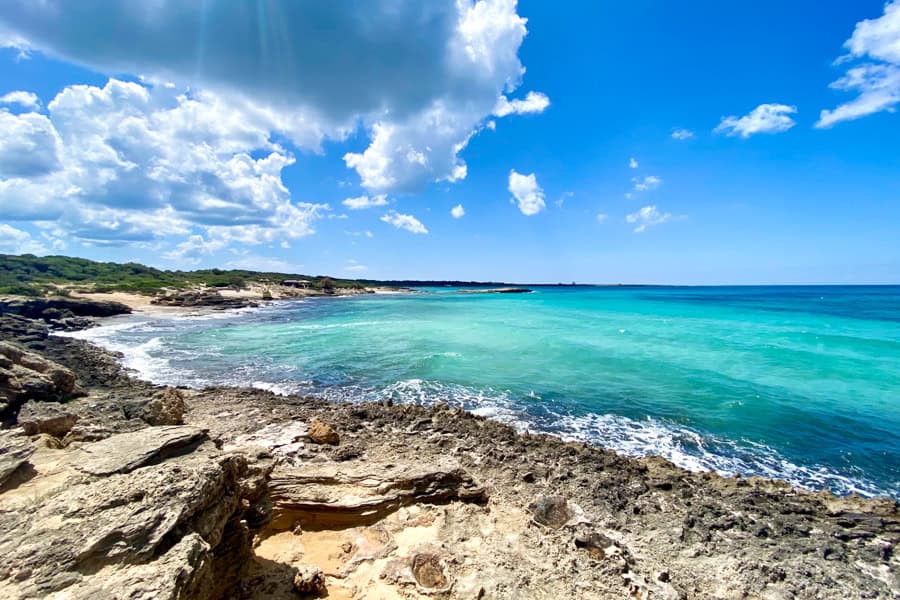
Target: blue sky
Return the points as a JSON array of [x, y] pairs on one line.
[[332, 139]]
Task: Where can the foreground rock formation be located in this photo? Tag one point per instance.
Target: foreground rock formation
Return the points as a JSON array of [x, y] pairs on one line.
[[136, 491]]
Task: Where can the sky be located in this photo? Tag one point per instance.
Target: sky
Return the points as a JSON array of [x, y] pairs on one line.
[[599, 142]]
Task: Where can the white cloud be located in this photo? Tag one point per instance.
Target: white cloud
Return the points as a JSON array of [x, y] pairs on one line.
[[29, 146], [647, 216], [682, 134], [16, 241], [601, 217], [458, 212], [354, 267], [27, 100], [421, 77], [363, 202], [563, 197], [876, 83], [131, 163], [252, 262], [527, 193], [765, 118], [632, 163], [648, 183], [534, 102], [407, 222]]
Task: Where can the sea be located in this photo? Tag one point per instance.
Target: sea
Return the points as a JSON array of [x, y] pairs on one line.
[[797, 383]]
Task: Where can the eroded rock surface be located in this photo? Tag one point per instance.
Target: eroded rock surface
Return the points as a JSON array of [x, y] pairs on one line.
[[26, 375], [46, 417], [15, 449], [125, 452]]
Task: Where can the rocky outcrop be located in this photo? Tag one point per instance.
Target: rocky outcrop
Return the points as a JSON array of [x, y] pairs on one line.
[[358, 492], [15, 450], [178, 529], [46, 417], [203, 298], [26, 375], [126, 452], [27, 332], [63, 312]]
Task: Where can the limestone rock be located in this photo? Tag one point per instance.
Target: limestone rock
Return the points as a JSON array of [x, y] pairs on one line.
[[323, 433], [309, 580], [551, 511], [126, 452], [356, 491], [178, 530], [61, 307], [15, 450], [46, 417], [23, 330], [25, 375], [166, 407]]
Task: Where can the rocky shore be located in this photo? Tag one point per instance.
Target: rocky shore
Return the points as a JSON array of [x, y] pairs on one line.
[[111, 487]]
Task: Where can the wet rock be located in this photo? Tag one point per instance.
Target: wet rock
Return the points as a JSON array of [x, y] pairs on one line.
[[46, 417], [15, 450], [309, 580], [23, 330], [322, 433], [126, 452], [61, 307], [551, 511], [26, 375]]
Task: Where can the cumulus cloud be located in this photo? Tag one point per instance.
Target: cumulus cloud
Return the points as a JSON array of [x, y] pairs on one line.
[[647, 216], [458, 212], [407, 222], [648, 183], [131, 163], [27, 100], [682, 134], [632, 163], [16, 241], [534, 102], [363, 202], [29, 146], [527, 194], [765, 118], [563, 197], [420, 77], [877, 81]]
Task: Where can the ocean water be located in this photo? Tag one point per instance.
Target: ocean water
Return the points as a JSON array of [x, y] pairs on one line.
[[800, 383]]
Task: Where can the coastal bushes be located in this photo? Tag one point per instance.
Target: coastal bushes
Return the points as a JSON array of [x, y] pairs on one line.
[[29, 275]]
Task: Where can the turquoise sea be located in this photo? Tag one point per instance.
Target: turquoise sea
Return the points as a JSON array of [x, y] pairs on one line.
[[800, 383]]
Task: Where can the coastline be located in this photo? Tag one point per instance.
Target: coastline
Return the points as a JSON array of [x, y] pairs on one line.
[[629, 526]]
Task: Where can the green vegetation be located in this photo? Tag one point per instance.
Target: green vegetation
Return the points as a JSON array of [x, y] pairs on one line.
[[29, 275]]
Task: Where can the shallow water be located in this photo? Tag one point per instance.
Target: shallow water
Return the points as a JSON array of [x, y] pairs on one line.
[[801, 383]]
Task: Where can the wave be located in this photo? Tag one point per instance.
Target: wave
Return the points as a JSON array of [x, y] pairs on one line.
[[156, 360]]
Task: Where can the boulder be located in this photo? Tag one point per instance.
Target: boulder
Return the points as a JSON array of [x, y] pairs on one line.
[[46, 417], [309, 580], [322, 433], [551, 511], [166, 407], [125, 452], [15, 450], [25, 375]]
